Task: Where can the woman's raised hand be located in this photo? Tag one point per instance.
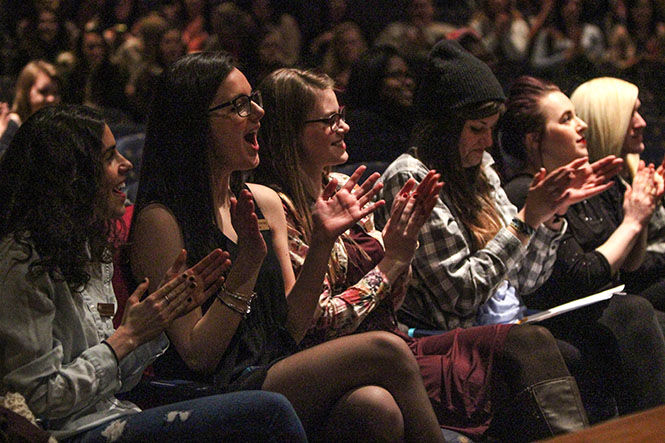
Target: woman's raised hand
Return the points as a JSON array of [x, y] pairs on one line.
[[246, 224], [336, 211], [145, 317], [589, 180], [410, 210], [640, 199], [553, 193], [208, 274]]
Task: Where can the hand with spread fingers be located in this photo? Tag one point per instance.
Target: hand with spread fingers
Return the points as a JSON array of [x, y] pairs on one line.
[[146, 317], [336, 211], [553, 193], [251, 245], [589, 180]]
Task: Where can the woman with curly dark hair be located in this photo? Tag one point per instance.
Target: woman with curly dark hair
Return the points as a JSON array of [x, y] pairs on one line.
[[60, 202]]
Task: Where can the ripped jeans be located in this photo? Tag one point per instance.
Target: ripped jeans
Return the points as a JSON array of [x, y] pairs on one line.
[[259, 416]]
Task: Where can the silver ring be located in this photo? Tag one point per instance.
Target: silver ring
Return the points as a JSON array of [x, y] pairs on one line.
[[166, 297]]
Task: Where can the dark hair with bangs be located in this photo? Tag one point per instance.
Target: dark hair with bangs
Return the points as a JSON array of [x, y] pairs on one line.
[[175, 170], [51, 192]]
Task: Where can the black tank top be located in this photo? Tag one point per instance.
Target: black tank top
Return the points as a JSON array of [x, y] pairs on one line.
[[260, 339]]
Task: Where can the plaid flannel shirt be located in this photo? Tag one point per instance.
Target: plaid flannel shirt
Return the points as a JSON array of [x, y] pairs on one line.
[[449, 281]]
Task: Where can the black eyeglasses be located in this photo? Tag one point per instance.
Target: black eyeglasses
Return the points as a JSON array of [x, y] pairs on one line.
[[332, 121], [242, 104]]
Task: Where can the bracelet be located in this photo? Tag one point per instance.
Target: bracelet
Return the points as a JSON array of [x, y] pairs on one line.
[[104, 342], [244, 312], [521, 227], [245, 298]]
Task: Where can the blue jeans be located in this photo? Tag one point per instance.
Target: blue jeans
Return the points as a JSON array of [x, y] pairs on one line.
[[259, 416]]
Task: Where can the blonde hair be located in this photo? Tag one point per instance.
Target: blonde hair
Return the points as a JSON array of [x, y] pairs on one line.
[[606, 104], [24, 83]]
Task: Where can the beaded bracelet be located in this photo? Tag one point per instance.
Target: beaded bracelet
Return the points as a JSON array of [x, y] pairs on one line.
[[244, 312]]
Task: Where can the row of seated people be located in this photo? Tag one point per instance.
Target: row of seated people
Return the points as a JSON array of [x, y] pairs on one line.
[[291, 288]]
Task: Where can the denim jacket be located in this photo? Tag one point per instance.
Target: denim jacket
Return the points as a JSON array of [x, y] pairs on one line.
[[51, 350]]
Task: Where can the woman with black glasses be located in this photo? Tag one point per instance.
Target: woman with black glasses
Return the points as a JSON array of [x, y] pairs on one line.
[[474, 377], [201, 134], [58, 347]]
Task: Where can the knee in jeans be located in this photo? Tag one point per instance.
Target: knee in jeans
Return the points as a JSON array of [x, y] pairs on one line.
[[273, 403], [631, 308]]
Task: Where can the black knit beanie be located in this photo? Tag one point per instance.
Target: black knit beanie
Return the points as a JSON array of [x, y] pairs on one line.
[[455, 80]]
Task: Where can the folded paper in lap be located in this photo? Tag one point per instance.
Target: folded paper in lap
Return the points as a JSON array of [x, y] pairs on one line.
[[571, 306]]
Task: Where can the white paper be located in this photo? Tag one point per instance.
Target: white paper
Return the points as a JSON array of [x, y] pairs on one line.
[[571, 306]]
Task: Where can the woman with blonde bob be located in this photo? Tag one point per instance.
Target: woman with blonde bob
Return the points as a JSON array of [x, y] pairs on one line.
[[610, 106]]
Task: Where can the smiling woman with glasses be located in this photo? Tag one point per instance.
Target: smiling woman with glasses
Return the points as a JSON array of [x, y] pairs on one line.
[[241, 104], [186, 200], [333, 120]]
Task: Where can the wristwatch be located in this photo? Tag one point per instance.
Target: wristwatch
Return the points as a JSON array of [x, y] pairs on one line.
[[522, 227]]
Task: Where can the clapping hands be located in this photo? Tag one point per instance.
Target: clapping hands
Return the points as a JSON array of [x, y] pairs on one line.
[[410, 210], [553, 193], [145, 317], [335, 211], [640, 198], [246, 224]]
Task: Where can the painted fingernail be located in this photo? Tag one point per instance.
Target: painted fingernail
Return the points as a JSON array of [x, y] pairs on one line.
[[189, 300], [184, 276], [192, 285], [192, 278], [405, 194]]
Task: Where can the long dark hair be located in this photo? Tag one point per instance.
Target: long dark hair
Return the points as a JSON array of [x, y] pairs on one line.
[[50, 197], [175, 170], [437, 140]]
